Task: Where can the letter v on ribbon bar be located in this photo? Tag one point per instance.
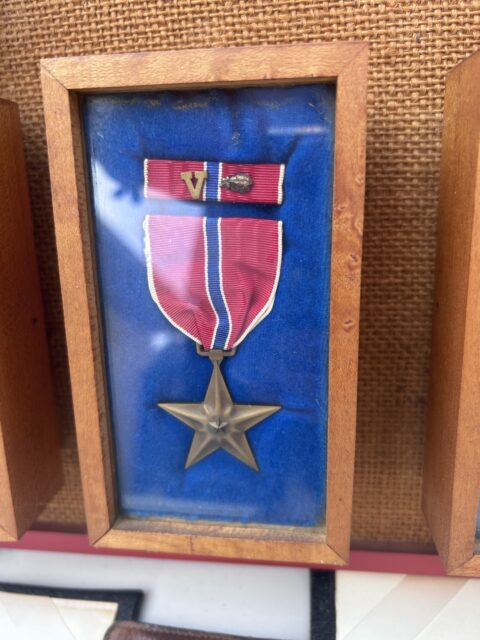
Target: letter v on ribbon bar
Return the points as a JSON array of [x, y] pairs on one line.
[[214, 181]]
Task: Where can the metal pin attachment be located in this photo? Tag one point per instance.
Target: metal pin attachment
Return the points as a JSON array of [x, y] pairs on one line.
[[239, 182]]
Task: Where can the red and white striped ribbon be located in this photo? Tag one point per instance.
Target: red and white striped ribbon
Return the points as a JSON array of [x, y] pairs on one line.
[[209, 181]]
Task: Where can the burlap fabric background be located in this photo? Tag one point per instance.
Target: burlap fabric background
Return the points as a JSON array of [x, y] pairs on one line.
[[413, 44]]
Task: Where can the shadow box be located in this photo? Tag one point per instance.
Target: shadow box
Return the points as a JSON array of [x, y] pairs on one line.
[[208, 210], [30, 467], [452, 465]]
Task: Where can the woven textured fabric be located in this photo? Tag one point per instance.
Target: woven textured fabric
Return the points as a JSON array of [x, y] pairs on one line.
[[413, 44]]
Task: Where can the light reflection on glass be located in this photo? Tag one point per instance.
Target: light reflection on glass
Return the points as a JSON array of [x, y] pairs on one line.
[[310, 130]]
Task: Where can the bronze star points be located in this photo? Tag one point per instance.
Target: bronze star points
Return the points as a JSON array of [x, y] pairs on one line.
[[218, 422]]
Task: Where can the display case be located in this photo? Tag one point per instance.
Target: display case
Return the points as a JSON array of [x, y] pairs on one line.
[[30, 468], [208, 210], [452, 464]]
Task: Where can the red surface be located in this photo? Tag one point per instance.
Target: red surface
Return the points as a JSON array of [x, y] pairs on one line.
[[410, 563], [163, 179], [181, 276]]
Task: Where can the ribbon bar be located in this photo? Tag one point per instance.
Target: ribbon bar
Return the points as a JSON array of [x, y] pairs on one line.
[[214, 181]]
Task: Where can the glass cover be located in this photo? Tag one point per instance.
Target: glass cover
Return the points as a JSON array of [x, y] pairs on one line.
[[244, 156]]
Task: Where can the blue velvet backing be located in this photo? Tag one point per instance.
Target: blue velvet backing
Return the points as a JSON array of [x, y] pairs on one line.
[[283, 361]]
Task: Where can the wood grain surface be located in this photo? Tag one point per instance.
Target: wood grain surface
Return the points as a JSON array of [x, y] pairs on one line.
[[30, 470], [452, 464], [82, 326]]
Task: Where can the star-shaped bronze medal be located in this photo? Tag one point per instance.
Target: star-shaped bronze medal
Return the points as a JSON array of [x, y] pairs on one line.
[[218, 422]]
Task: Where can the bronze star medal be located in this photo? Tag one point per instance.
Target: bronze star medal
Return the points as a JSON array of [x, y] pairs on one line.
[[218, 422], [215, 280]]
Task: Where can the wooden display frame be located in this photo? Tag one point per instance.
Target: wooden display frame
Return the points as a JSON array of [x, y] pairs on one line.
[[30, 467], [64, 80], [452, 465]]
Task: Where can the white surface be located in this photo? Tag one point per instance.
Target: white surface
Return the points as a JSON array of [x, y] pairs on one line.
[[358, 593], [269, 602], [398, 607], [260, 601], [405, 611], [460, 619], [23, 616]]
